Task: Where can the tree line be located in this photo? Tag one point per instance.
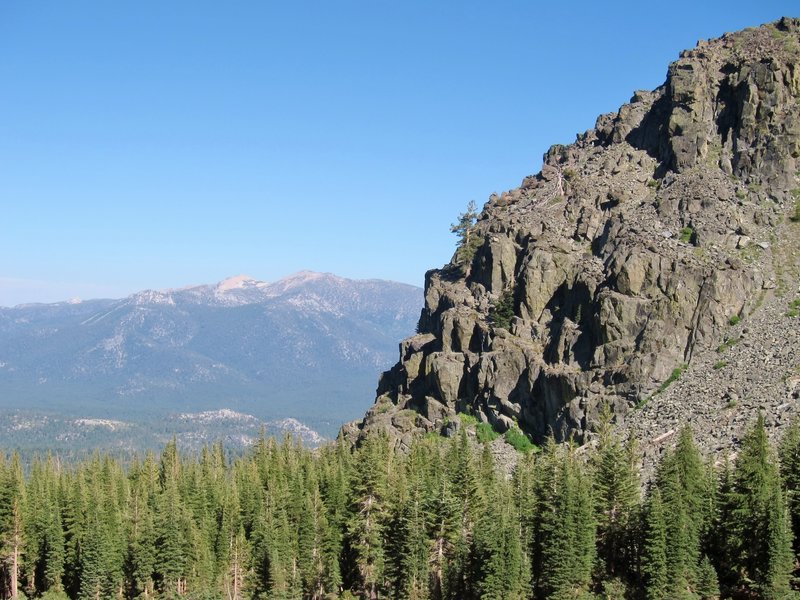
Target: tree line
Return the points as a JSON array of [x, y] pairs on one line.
[[438, 522]]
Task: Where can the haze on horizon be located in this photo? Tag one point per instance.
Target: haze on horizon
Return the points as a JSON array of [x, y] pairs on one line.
[[157, 146]]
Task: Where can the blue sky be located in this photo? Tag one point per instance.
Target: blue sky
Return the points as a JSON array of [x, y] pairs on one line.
[[150, 144]]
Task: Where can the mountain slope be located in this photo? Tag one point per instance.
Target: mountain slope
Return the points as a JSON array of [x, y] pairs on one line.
[[307, 347], [626, 262]]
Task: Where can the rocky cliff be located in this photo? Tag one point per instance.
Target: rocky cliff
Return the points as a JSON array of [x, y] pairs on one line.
[[637, 257]]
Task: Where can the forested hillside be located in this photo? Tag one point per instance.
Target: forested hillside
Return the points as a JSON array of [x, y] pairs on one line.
[[438, 522]]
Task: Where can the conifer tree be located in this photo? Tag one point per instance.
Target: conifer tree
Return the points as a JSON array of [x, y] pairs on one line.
[[368, 514], [707, 581], [311, 553], [790, 474], [463, 228], [683, 485], [333, 483], [409, 541], [501, 572], [230, 542], [722, 542], [173, 550], [760, 519], [44, 531], [523, 485], [466, 491], [260, 567], [565, 531], [616, 502], [99, 563], [140, 555], [446, 529], [75, 515], [12, 499], [654, 559]]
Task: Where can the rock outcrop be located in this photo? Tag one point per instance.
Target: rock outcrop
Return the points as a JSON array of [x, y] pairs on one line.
[[626, 259]]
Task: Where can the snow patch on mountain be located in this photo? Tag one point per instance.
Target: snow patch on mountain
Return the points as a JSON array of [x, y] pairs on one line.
[[96, 423], [298, 429], [216, 416]]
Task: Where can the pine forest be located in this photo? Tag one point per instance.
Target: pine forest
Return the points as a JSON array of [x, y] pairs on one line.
[[438, 522]]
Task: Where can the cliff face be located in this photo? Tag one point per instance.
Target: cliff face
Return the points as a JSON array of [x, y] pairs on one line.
[[630, 255]]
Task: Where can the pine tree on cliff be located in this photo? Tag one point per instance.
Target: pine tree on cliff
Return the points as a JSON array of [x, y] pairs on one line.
[[463, 228]]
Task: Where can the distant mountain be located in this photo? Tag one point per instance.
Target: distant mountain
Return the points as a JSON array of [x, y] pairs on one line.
[[308, 347], [35, 432]]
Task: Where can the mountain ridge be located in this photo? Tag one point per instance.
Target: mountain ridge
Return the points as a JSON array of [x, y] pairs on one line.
[[273, 349], [232, 282]]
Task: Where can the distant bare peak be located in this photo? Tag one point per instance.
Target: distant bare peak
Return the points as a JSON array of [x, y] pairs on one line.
[[298, 280], [236, 282]]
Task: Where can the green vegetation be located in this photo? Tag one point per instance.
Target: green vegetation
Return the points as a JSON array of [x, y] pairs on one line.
[[467, 420], [734, 320], [437, 522], [673, 377], [750, 253], [383, 406], [486, 433], [720, 365], [468, 240], [518, 440], [794, 308], [795, 218], [727, 344], [686, 235], [570, 174], [502, 311]]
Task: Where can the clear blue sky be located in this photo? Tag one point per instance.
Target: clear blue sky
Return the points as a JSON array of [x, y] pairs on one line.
[[151, 144]]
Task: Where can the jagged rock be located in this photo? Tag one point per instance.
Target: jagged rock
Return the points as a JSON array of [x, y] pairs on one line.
[[627, 255]]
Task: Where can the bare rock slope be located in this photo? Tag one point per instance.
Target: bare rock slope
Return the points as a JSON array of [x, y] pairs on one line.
[[633, 263]]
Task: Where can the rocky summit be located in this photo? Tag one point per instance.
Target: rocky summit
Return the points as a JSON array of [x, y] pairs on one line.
[[650, 269]]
